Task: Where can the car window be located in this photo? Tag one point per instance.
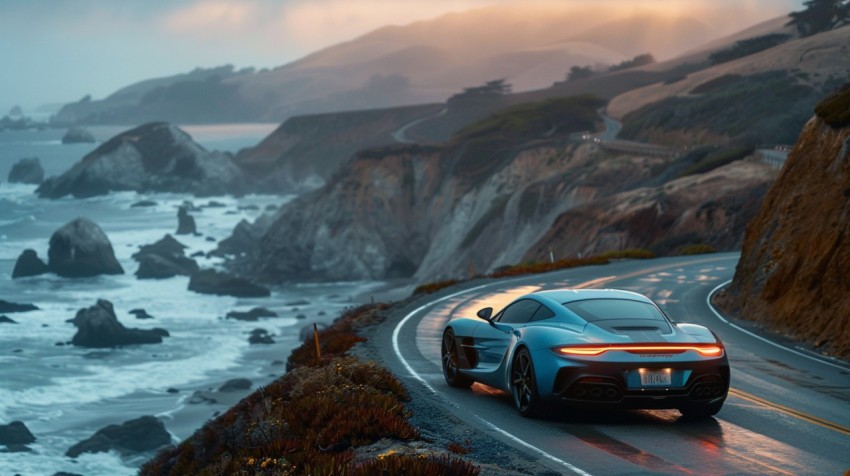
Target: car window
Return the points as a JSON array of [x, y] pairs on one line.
[[593, 310], [519, 312], [542, 313]]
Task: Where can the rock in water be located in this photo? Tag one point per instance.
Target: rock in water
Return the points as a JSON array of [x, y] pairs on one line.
[[252, 315], [146, 433], [27, 171], [210, 281], [155, 157], [7, 320], [164, 259], [97, 326], [260, 336], [6, 306], [77, 135], [29, 264], [81, 249], [15, 433], [141, 314], [185, 222]]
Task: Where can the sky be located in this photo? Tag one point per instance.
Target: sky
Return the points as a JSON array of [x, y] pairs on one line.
[[58, 51]]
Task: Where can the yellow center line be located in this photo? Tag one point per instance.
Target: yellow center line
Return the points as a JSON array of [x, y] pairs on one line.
[[790, 411]]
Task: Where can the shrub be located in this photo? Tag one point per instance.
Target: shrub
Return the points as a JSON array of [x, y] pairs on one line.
[[716, 160], [430, 288], [700, 249], [631, 253], [546, 266], [748, 47], [835, 108]]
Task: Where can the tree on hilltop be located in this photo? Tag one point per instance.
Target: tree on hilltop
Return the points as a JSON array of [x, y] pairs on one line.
[[820, 16]]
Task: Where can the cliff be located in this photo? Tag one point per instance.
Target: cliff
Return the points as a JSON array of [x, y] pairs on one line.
[[482, 200], [154, 157], [305, 151], [793, 276]]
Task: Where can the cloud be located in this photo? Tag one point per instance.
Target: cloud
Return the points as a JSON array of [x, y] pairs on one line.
[[213, 16]]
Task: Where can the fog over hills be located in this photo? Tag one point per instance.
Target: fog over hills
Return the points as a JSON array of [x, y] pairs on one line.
[[532, 47]]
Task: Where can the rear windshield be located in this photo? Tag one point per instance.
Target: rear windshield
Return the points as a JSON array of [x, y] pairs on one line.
[[592, 310]]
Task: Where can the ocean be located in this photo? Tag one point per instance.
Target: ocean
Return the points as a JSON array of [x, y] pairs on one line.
[[64, 393]]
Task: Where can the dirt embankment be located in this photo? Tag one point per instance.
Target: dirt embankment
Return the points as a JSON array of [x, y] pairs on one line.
[[793, 274]]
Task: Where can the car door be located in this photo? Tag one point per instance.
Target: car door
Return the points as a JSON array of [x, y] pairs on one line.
[[493, 340]]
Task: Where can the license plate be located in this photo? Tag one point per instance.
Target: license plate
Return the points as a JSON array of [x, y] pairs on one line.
[[651, 378]]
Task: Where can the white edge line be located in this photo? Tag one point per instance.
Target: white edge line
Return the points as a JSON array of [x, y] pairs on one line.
[[780, 346], [493, 427]]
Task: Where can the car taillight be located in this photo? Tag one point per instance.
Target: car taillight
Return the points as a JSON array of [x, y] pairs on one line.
[[708, 350]]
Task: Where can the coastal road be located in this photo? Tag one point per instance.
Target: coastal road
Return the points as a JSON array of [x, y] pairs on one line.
[[400, 134], [788, 410]]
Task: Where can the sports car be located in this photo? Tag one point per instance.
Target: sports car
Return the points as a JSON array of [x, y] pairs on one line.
[[588, 348]]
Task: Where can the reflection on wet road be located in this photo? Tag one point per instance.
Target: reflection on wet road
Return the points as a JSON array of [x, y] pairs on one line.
[[784, 415]]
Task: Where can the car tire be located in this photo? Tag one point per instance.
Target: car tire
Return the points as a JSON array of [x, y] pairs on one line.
[[524, 385], [702, 411], [449, 357]]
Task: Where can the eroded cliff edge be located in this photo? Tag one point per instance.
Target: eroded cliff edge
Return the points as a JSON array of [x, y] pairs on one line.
[[794, 273]]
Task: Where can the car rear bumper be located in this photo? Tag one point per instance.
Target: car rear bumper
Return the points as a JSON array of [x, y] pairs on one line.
[[608, 385]]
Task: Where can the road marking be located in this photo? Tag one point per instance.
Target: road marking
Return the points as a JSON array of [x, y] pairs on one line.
[[780, 346], [790, 411], [493, 427]]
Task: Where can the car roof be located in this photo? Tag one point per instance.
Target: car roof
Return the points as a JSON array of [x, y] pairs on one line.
[[569, 295]]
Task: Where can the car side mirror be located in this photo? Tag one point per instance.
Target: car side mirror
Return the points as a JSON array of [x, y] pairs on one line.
[[485, 313]]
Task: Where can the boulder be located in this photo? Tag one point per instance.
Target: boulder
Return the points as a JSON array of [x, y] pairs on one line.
[[7, 320], [16, 449], [235, 384], [260, 336], [142, 434], [29, 264], [6, 306], [164, 259], [15, 433], [210, 281], [214, 204], [159, 267], [27, 170], [141, 314], [97, 326], [81, 249], [185, 222], [252, 315], [78, 135], [154, 157], [144, 204]]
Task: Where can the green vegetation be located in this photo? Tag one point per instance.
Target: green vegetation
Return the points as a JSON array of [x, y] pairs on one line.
[[639, 60], [528, 120], [546, 266], [835, 108], [716, 160], [631, 253], [748, 47], [312, 420], [430, 288], [700, 249], [717, 84], [764, 108], [820, 16]]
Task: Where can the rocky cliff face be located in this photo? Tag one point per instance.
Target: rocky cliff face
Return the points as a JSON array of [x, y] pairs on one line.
[[793, 274], [153, 157], [705, 209], [483, 200], [304, 151]]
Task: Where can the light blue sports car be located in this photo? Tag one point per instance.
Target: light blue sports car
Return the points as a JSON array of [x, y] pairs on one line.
[[588, 348]]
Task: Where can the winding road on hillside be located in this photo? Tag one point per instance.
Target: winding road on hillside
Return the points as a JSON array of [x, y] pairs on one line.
[[788, 410]]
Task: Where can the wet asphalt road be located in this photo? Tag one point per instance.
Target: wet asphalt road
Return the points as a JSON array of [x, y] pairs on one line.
[[788, 412]]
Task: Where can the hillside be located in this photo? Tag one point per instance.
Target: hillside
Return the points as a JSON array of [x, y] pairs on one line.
[[422, 62], [480, 201], [305, 151], [762, 99], [792, 277]]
